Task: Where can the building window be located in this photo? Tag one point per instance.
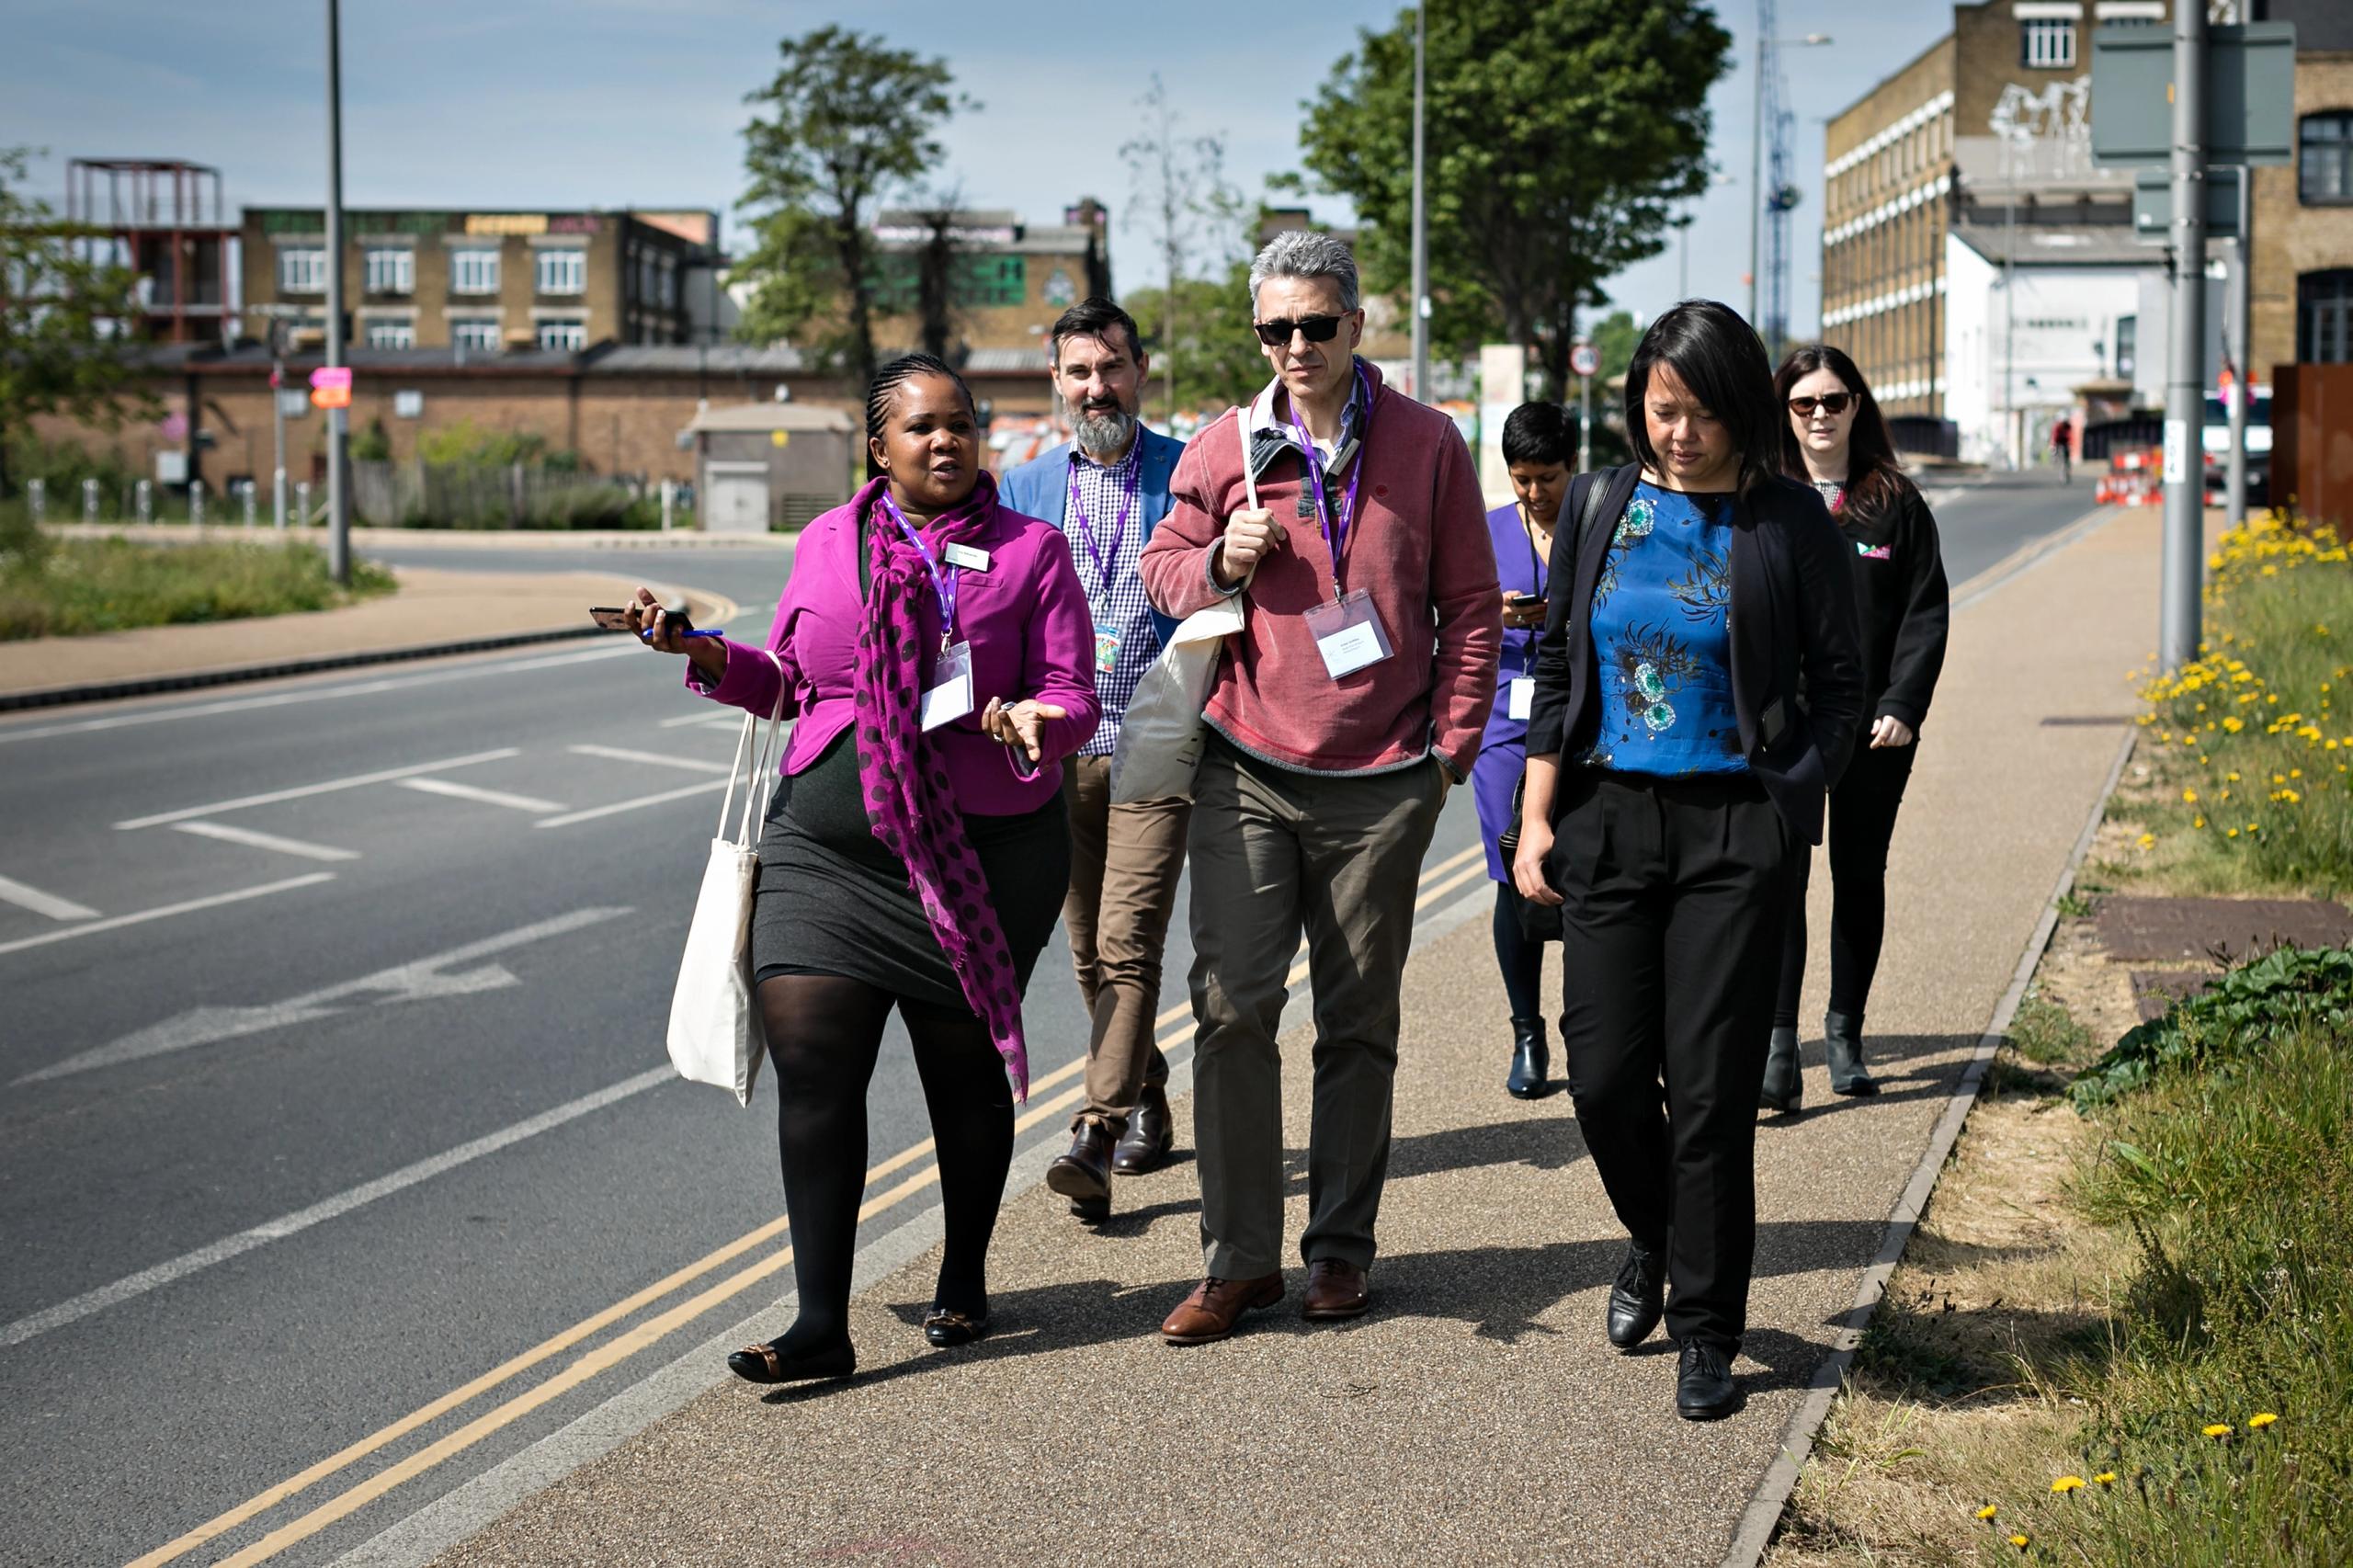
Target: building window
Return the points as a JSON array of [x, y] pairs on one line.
[[2047, 43], [2127, 346], [392, 335], [2325, 317], [474, 269], [565, 336], [669, 283], [562, 271], [390, 270], [302, 271], [473, 332], [2324, 159]]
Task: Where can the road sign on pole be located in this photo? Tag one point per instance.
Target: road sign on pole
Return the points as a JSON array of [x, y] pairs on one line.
[[330, 386], [1585, 359], [2247, 83]]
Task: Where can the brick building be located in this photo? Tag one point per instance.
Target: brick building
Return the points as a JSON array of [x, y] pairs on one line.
[[2301, 303], [1010, 279], [483, 282]]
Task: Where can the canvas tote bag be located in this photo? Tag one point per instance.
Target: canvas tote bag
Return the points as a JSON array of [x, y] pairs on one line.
[[715, 1032], [1161, 734]]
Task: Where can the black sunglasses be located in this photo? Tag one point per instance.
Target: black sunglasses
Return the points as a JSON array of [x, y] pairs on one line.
[[1315, 329], [1830, 403]]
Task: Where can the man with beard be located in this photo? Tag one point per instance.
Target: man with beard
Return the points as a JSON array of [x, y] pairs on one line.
[[1108, 489]]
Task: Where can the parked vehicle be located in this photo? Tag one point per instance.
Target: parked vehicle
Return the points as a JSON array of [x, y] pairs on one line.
[[2216, 438]]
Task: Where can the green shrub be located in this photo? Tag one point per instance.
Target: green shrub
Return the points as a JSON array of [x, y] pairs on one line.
[[2242, 1013], [83, 585]]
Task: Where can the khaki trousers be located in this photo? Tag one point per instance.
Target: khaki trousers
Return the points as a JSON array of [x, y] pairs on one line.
[[1124, 865], [1276, 853]]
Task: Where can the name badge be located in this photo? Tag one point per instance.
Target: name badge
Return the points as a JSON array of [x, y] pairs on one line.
[[949, 696], [964, 555], [1107, 652], [1349, 634], [1520, 700]]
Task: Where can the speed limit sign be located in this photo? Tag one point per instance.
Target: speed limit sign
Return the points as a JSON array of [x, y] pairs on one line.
[[1584, 359]]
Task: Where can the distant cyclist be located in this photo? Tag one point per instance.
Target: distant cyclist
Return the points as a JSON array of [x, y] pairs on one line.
[[2063, 449]]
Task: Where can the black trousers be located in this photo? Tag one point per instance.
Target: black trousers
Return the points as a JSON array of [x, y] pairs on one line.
[[1674, 889], [1862, 820]]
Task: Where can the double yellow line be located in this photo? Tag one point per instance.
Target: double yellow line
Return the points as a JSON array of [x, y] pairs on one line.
[[1435, 882]]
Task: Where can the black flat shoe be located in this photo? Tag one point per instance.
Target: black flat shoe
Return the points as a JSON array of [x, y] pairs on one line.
[[947, 1329], [1703, 1387], [1638, 1299], [766, 1364]]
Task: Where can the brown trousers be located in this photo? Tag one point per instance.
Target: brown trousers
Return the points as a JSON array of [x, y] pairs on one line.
[[1124, 865]]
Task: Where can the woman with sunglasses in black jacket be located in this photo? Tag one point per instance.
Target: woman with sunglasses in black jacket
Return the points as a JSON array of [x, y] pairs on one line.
[[1833, 436]]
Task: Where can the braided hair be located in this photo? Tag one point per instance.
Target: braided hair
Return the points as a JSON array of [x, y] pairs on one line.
[[888, 379]]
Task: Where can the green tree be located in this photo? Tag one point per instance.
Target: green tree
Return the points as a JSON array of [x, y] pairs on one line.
[[65, 303], [1215, 360], [847, 122], [1561, 133]]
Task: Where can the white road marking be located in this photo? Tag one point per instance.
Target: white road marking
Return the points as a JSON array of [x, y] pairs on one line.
[[40, 903], [317, 694], [415, 982], [717, 721], [190, 813], [652, 758], [592, 812], [342, 1203], [253, 840], [458, 791], [117, 922]]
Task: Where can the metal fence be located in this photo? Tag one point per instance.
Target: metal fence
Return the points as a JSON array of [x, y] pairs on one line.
[[486, 495]]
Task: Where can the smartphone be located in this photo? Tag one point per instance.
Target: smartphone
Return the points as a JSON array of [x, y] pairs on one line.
[[613, 617]]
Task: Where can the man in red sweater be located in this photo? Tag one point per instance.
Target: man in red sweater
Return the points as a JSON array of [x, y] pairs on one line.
[[1349, 704]]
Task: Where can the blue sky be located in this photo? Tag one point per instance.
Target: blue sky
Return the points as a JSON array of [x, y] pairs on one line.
[[613, 103]]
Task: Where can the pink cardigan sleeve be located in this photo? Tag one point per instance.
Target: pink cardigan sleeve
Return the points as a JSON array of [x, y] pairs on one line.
[[753, 680]]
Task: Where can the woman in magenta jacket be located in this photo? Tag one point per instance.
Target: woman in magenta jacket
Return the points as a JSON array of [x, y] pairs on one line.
[[937, 651]]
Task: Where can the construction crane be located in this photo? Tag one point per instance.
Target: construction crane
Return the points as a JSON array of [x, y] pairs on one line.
[[1774, 191]]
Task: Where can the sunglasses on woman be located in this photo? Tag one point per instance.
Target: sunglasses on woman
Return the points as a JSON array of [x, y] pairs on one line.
[[1315, 329], [1831, 404]]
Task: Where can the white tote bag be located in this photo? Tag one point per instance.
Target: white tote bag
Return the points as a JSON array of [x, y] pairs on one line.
[[1161, 734], [715, 1032]]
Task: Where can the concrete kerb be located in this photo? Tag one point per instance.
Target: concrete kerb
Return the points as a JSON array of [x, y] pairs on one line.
[[1772, 1495]]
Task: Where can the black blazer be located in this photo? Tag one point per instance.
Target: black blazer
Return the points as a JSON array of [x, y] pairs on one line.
[[1792, 619]]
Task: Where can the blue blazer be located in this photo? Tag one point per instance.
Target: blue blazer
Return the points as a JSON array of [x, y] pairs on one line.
[[1041, 488]]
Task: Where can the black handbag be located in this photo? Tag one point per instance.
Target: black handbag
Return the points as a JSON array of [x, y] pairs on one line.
[[1541, 922]]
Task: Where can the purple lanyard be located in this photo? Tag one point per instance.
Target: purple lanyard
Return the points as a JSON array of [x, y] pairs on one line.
[[1106, 560], [1335, 529], [943, 578]]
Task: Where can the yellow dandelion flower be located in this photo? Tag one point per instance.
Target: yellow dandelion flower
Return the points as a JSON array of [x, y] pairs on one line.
[[2190, 797], [2148, 841], [1988, 1511], [2068, 1483], [2257, 1422], [2295, 773], [2198, 822], [2220, 1429], [2106, 1478], [2018, 1542], [2233, 833], [2232, 776]]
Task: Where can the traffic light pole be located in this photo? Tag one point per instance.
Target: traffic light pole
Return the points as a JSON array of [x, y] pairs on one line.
[[2185, 459], [339, 419], [2242, 358]]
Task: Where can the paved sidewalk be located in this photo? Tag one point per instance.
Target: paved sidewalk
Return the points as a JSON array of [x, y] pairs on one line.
[[1478, 1416], [434, 612]]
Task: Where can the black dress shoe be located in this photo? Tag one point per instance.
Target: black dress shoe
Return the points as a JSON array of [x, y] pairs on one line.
[[1703, 1386], [768, 1364], [1531, 1062], [1151, 1133], [1084, 1175], [947, 1328], [1639, 1298]]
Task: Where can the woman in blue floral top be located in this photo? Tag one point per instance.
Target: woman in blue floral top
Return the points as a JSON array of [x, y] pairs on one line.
[[1673, 779]]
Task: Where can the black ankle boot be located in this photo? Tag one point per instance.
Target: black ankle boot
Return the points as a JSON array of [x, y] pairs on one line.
[[1783, 1087], [1842, 1042], [1531, 1063]]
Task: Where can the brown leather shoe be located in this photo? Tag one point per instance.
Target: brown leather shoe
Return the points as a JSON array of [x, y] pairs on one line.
[[1209, 1312], [1084, 1175], [1334, 1289], [1151, 1133]]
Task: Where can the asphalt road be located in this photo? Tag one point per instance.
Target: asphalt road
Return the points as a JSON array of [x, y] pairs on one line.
[[334, 1079]]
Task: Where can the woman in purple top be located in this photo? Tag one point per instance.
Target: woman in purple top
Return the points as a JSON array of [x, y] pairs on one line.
[[1539, 450], [937, 651]]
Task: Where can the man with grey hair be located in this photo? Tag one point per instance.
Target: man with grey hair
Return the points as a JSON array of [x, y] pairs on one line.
[[1351, 701]]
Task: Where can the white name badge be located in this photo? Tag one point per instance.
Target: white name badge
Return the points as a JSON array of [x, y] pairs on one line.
[[1520, 702], [964, 555], [1349, 634], [949, 696]]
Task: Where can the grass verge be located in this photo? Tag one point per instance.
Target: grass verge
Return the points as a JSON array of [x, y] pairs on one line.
[[72, 587]]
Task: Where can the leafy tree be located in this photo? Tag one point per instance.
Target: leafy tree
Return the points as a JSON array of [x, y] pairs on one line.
[[1214, 361], [1180, 186], [1560, 134], [65, 303], [848, 122], [940, 263]]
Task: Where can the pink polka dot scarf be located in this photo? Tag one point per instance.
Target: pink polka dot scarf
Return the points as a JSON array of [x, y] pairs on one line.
[[908, 797]]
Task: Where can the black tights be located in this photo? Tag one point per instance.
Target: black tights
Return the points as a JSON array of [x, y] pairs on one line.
[[1521, 960], [825, 1033], [1862, 820]]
